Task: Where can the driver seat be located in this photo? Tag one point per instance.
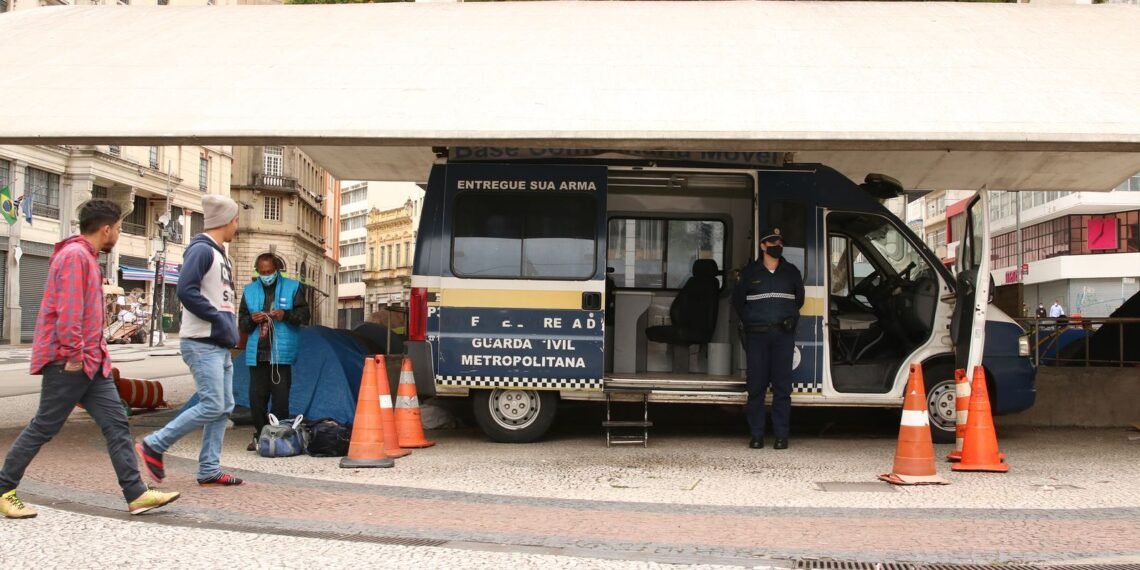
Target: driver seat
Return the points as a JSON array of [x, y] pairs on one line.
[[693, 314]]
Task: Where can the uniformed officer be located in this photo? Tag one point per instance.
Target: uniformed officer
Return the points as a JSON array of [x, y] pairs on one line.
[[768, 300]]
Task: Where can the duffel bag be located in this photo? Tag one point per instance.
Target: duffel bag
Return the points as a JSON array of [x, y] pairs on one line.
[[328, 438], [283, 439]]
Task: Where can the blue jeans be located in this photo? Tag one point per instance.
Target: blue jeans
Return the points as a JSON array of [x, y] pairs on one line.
[[214, 377]]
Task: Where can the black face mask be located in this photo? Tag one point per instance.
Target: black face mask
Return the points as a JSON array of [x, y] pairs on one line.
[[775, 250]]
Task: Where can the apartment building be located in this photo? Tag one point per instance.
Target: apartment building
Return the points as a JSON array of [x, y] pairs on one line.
[[391, 247], [160, 189], [286, 211], [357, 199], [1082, 248]]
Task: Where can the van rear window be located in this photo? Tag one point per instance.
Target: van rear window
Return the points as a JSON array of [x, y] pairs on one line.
[[506, 235]]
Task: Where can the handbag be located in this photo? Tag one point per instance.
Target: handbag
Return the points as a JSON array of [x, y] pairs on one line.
[[286, 439]]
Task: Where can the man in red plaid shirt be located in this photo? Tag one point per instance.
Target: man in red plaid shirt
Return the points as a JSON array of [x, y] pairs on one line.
[[71, 354]]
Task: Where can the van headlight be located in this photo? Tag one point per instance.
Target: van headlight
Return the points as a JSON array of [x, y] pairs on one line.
[[1023, 345]]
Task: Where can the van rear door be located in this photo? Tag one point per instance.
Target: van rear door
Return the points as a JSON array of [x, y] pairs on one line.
[[968, 325], [521, 299]]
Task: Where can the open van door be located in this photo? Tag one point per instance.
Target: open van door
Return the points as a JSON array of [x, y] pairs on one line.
[[974, 285]]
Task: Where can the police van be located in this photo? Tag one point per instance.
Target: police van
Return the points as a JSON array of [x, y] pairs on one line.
[[542, 275]]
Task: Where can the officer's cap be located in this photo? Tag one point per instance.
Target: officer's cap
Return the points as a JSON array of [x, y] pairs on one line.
[[770, 234]]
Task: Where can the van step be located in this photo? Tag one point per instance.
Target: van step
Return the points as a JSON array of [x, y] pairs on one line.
[[639, 428], [620, 424]]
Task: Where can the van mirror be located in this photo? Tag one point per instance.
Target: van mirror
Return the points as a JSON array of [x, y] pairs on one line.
[[882, 186]]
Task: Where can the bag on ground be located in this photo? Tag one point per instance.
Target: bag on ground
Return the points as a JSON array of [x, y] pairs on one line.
[[283, 439], [328, 438]]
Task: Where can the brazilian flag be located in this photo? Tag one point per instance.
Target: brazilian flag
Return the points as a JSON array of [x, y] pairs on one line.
[[7, 206]]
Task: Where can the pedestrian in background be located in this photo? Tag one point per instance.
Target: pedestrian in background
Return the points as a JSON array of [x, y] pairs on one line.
[[209, 331], [768, 300], [273, 307], [71, 353]]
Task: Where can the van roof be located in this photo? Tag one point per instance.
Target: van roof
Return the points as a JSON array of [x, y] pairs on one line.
[[937, 95]]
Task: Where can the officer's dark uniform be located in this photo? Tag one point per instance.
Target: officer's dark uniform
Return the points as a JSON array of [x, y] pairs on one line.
[[768, 304]]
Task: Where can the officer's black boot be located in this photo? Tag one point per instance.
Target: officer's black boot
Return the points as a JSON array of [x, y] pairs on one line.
[[756, 443], [781, 444]]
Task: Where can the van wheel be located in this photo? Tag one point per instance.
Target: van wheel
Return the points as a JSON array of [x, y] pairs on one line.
[[941, 394], [514, 416]]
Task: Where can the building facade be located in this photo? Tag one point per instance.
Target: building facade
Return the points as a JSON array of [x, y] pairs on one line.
[[1079, 248], [286, 211], [391, 246], [160, 189], [357, 199]]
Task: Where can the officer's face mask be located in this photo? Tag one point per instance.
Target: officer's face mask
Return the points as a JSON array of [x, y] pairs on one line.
[[268, 279], [775, 250]]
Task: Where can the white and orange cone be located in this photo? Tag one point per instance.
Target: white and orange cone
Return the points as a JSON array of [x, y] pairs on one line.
[[914, 456]]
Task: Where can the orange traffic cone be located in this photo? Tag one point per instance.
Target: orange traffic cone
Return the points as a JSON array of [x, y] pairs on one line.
[[366, 448], [914, 456], [962, 407], [409, 424], [387, 417], [980, 448]]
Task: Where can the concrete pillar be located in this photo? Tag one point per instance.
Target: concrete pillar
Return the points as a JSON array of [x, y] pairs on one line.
[[12, 312], [75, 190]]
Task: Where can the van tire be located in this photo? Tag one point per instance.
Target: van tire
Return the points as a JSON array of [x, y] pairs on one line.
[[941, 393], [514, 416]]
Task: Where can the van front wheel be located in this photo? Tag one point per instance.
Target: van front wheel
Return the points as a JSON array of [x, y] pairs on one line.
[[941, 394], [514, 416]]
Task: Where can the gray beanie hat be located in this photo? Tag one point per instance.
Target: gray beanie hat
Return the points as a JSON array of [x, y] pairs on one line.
[[218, 210]]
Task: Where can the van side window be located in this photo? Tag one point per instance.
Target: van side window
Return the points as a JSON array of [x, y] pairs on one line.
[[659, 253], [524, 236]]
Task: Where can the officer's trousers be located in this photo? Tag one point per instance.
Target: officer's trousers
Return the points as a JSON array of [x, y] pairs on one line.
[[770, 363]]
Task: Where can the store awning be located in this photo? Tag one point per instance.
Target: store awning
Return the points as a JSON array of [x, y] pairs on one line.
[[169, 273], [938, 95]]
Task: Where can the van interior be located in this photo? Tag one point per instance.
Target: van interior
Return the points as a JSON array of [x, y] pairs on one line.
[[673, 236]]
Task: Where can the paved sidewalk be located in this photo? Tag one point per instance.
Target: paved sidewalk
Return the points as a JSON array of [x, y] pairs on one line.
[[379, 505]]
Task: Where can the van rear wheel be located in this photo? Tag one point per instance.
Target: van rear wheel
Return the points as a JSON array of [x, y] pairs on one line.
[[514, 416], [941, 393]]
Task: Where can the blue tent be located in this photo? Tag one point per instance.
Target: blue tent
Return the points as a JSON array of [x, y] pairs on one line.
[[326, 377]]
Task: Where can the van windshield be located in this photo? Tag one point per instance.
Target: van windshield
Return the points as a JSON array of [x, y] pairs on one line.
[[893, 246]]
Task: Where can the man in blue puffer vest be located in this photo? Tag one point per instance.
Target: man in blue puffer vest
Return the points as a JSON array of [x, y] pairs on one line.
[[273, 309], [768, 299]]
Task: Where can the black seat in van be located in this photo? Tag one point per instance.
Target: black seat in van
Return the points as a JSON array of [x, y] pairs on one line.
[[693, 312]]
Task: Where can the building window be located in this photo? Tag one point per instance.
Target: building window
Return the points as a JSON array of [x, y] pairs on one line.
[[274, 163], [114, 150], [408, 253], [273, 208], [5, 171], [1130, 185], [98, 193], [43, 187], [176, 224], [353, 195], [936, 206], [153, 157], [351, 249], [551, 236], [203, 174], [351, 275], [197, 223], [135, 222], [353, 222], [3, 6], [659, 253]]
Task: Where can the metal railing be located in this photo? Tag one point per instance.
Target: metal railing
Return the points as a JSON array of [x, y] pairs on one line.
[[1070, 341], [271, 182]]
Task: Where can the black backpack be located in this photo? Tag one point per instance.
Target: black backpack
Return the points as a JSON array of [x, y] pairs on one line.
[[328, 438]]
